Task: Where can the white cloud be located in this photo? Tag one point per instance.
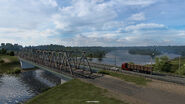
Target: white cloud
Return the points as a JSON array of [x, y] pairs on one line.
[[144, 26], [84, 22], [135, 2], [181, 34], [137, 17], [27, 36], [83, 40], [53, 3], [24, 13], [101, 35], [83, 14], [140, 2]]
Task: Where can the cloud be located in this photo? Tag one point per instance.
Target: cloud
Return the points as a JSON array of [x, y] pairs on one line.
[[137, 2], [139, 38], [27, 36], [137, 17], [27, 22], [53, 3], [144, 26], [92, 22], [83, 15]]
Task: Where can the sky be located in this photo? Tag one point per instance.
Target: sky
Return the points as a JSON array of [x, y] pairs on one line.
[[93, 22]]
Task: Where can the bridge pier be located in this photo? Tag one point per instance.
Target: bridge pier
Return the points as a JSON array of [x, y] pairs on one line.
[[25, 65]]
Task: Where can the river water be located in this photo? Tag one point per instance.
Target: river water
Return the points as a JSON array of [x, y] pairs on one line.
[[15, 89], [120, 56]]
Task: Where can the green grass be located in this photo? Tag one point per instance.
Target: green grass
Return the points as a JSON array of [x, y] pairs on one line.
[[130, 78], [74, 92], [9, 65]]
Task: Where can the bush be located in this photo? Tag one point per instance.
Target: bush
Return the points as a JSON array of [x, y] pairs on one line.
[[130, 62], [162, 64], [1, 61], [181, 71], [11, 53], [3, 51], [16, 70], [103, 72]]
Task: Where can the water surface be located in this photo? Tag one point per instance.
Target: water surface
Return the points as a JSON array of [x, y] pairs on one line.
[[19, 88], [120, 56]]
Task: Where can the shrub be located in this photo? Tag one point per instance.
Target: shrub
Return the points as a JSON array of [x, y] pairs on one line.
[[3, 51], [103, 72], [130, 62], [1, 61], [181, 71], [162, 64], [16, 70], [11, 53]]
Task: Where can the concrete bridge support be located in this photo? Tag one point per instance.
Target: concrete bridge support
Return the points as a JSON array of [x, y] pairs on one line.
[[25, 65]]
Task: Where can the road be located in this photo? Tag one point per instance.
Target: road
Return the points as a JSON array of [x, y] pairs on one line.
[[139, 94], [158, 76]]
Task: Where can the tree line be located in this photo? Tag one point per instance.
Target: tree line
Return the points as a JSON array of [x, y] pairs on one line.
[[5, 52]]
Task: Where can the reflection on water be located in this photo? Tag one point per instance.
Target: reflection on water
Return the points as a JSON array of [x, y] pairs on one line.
[[18, 88], [121, 56]]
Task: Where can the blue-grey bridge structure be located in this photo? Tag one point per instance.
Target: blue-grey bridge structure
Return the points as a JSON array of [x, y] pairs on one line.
[[68, 65], [65, 62]]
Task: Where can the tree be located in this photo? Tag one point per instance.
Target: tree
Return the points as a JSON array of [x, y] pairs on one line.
[[11, 53], [3, 51], [1, 61], [162, 64], [2, 44], [181, 71]]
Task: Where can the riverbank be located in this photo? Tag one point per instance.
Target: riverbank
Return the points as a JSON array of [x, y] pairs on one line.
[[9, 64], [74, 92]]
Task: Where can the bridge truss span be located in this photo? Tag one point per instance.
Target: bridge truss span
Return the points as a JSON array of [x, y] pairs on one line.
[[69, 62]]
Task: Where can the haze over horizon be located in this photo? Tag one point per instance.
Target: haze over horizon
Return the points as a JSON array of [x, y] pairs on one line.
[[93, 22]]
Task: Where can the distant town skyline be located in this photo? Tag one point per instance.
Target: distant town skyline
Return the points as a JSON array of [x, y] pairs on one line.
[[93, 22]]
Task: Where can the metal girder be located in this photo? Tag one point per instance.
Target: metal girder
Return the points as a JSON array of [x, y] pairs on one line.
[[62, 60]]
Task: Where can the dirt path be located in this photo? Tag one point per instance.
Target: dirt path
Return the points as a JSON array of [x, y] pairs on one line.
[[153, 93]]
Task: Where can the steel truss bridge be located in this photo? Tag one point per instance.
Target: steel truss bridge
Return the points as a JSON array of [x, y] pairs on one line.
[[68, 62]]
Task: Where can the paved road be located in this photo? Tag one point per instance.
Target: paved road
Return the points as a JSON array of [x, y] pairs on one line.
[[138, 94], [158, 76]]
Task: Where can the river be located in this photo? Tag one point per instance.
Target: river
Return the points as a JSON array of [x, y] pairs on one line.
[[19, 88], [120, 56]]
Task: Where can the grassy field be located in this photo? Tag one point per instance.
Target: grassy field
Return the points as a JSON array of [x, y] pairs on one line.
[[130, 78], [9, 64], [74, 92]]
